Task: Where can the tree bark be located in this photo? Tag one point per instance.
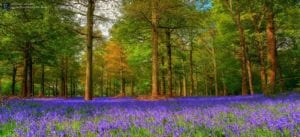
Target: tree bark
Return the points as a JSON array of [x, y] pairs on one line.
[[250, 79], [88, 94], [30, 73], [13, 85], [155, 68], [215, 71], [132, 88], [191, 71], [163, 78], [261, 59], [43, 81], [271, 44], [169, 51]]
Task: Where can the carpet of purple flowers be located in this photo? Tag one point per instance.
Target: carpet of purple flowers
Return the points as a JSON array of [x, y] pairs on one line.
[[195, 116]]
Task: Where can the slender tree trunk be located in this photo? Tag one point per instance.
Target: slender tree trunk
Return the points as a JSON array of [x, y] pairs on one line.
[[250, 79], [30, 73], [0, 89], [224, 85], [191, 71], [261, 59], [88, 94], [25, 73], [62, 85], [281, 80], [271, 44], [210, 86], [243, 57], [215, 71], [132, 88], [43, 81], [13, 85], [56, 87], [206, 87], [66, 76], [180, 88], [163, 77], [169, 51], [155, 67], [184, 86], [123, 87]]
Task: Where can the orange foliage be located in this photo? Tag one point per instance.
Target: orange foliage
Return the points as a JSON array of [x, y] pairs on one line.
[[115, 60]]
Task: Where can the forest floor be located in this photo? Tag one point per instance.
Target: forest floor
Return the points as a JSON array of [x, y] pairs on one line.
[[192, 116]]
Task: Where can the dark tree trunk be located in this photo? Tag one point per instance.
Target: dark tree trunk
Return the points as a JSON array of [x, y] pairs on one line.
[[30, 73], [123, 86], [88, 94], [155, 68], [169, 51], [25, 71], [163, 77], [13, 85], [43, 81], [132, 88]]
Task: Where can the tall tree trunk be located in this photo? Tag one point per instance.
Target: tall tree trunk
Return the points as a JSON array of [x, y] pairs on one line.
[[215, 71], [30, 73], [191, 71], [250, 79], [271, 44], [235, 14], [25, 73], [13, 85], [169, 51], [62, 85], [43, 81], [66, 66], [163, 77], [261, 53], [155, 68], [88, 94], [243, 56]]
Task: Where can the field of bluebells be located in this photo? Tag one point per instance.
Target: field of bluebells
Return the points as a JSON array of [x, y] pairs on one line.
[[251, 116]]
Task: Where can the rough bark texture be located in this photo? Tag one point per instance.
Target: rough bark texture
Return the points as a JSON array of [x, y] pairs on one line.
[[154, 24], [271, 44], [88, 94]]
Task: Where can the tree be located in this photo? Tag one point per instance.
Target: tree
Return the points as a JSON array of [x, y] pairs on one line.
[[116, 63]]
